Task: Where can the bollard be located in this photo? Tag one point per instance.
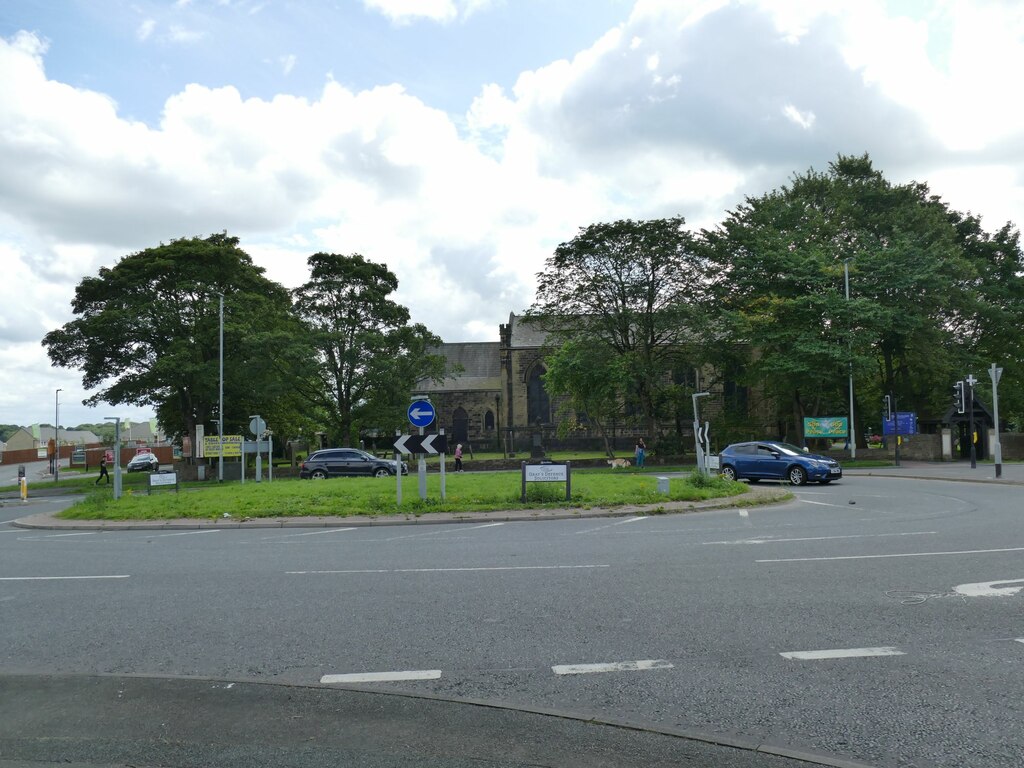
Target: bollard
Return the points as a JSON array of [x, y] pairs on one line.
[[23, 482], [663, 485]]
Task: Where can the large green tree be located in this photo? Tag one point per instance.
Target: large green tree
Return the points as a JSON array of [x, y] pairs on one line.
[[913, 291], [633, 290], [368, 355], [146, 333]]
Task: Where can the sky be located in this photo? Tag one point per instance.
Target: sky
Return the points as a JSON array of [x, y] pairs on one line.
[[457, 141]]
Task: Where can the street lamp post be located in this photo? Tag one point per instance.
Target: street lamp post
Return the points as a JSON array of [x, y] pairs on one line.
[[56, 435], [220, 404], [849, 351]]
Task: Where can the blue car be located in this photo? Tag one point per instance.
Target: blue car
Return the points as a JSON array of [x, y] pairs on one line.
[[771, 460]]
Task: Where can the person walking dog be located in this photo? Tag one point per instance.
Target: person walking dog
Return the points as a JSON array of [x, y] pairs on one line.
[[641, 452]]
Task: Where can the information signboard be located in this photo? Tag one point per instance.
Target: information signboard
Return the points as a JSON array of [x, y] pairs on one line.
[[232, 446], [906, 423], [826, 426]]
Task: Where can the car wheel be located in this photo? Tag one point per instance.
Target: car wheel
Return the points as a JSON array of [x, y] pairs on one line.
[[381, 472], [728, 472], [318, 474], [797, 475]]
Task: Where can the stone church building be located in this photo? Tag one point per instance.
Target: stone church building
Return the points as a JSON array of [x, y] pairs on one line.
[[495, 399]]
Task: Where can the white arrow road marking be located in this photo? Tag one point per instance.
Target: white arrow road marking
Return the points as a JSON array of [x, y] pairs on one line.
[[383, 677], [617, 666], [988, 588], [843, 653]]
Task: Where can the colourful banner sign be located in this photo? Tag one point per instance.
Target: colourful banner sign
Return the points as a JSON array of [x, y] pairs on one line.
[[232, 446], [826, 426]]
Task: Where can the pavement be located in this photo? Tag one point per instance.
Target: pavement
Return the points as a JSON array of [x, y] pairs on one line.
[[84, 720]]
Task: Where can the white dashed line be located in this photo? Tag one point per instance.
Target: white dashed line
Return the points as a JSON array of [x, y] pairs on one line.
[[843, 653], [617, 666], [485, 525], [383, 677], [59, 578], [185, 533], [612, 525], [744, 513], [309, 533], [57, 536], [454, 570], [820, 503], [902, 554], [822, 538]]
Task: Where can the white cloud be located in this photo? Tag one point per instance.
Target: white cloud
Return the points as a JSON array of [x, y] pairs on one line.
[[146, 29], [288, 63], [804, 119], [443, 11]]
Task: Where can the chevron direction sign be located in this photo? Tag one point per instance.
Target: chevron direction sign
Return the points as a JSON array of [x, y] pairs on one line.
[[432, 444]]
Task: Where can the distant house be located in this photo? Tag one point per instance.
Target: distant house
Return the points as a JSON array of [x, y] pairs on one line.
[[147, 432], [34, 437]]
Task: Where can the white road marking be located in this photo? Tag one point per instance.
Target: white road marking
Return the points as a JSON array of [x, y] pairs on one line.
[[744, 513], [383, 677], [485, 525], [456, 570], [59, 578], [310, 533], [185, 533], [1020, 639], [821, 503], [822, 538], [612, 525], [988, 588], [843, 653], [58, 535], [902, 554], [617, 666]]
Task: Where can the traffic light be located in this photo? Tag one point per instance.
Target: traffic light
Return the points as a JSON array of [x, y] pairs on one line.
[[958, 397], [887, 407]]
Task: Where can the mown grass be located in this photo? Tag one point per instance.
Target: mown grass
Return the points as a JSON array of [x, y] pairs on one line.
[[342, 497]]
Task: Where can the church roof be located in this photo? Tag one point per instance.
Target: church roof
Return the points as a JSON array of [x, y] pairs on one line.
[[480, 362], [525, 333]]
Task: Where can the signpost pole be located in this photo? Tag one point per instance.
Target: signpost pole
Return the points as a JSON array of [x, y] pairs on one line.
[[701, 469], [441, 432], [896, 427], [997, 449], [398, 474], [971, 381]]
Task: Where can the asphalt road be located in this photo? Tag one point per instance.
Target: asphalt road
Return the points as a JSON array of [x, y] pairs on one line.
[[840, 623]]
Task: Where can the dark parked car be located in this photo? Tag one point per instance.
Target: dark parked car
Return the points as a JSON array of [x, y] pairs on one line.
[[338, 462], [771, 460], [144, 462]]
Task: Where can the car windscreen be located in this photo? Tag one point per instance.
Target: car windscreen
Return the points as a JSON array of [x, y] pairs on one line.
[[789, 449]]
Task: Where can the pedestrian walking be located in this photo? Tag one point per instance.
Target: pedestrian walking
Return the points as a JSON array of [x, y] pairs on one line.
[[103, 470], [458, 457], [641, 452]]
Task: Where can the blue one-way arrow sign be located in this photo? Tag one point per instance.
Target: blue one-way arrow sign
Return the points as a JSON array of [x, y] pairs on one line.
[[421, 413]]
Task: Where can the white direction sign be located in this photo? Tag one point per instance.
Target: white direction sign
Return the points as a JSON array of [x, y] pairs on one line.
[[432, 444], [990, 588]]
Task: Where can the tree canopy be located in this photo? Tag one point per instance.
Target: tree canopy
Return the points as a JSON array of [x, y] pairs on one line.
[[633, 288], [146, 333], [928, 290], [368, 356]]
